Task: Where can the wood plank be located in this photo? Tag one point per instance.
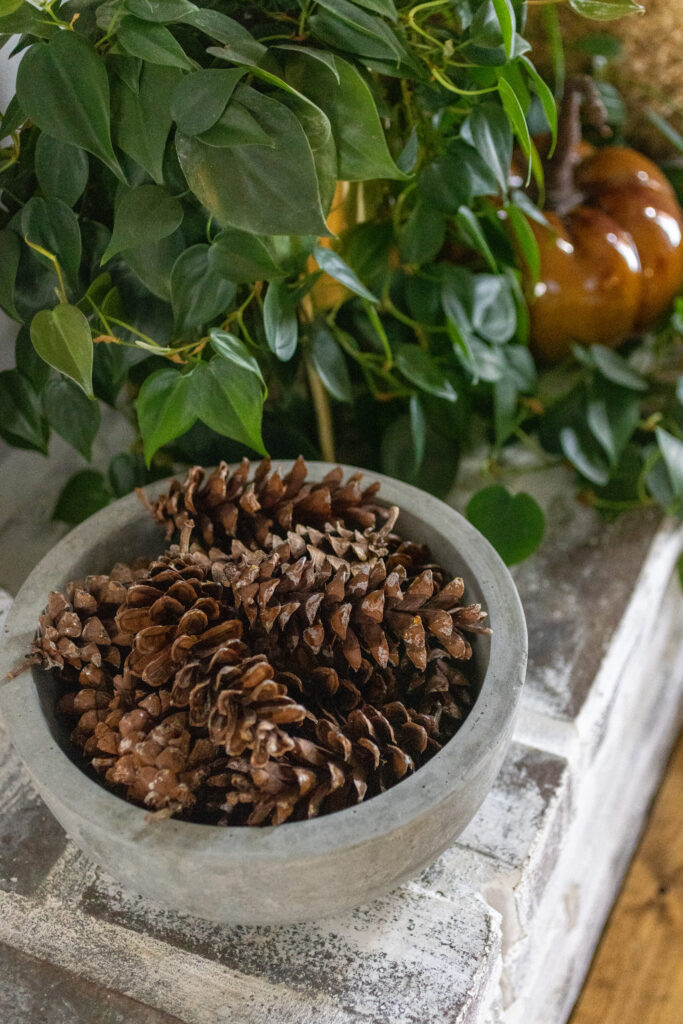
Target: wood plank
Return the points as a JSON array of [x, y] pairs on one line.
[[636, 976]]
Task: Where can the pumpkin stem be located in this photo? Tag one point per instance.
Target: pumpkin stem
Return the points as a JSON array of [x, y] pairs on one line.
[[581, 97]]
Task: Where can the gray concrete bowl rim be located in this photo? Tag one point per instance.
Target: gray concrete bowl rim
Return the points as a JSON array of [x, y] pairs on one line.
[[66, 787]]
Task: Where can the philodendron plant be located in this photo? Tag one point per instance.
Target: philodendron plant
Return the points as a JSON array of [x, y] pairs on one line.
[[289, 226]]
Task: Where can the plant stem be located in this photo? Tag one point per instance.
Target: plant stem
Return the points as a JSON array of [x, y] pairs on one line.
[[321, 402], [323, 413]]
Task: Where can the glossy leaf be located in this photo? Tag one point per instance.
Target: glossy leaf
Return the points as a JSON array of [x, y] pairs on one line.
[[494, 316], [63, 88], [61, 336], [230, 348], [488, 130], [526, 240], [418, 429], [342, 25], [142, 118], [199, 293], [73, 416], [472, 234], [52, 225], [672, 452], [513, 524], [280, 321], [230, 401], [328, 360], [143, 215], [153, 43], [61, 169], [238, 42], [199, 99], [423, 234], [584, 455], [21, 422], [241, 257], [612, 415], [332, 263], [160, 10], [420, 369], [166, 408], [265, 191], [605, 10], [345, 97], [83, 494], [615, 368], [505, 13]]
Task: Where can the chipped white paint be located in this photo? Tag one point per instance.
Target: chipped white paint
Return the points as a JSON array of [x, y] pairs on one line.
[[499, 930]]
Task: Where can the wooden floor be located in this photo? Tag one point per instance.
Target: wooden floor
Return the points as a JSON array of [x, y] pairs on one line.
[[637, 974]]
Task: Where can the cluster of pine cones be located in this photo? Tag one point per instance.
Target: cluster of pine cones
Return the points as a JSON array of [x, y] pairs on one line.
[[289, 655]]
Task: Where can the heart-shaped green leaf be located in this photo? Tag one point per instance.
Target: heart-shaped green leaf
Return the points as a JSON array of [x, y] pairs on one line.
[[61, 336], [83, 494], [279, 320], [74, 417], [144, 214], [62, 87], [166, 407], [513, 524]]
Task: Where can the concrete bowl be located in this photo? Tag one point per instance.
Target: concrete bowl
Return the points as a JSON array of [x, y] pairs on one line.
[[300, 870]]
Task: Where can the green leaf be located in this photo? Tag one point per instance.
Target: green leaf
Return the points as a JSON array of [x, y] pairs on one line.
[[584, 456], [74, 417], [61, 336], [142, 119], [488, 130], [12, 119], [167, 407], [53, 225], [239, 44], [198, 292], [515, 113], [344, 26], [244, 258], [546, 97], [612, 415], [505, 13], [61, 169], [616, 369], [505, 397], [153, 43], [672, 452], [494, 316], [332, 263], [330, 365], [83, 494], [236, 127], [10, 253], [28, 362], [422, 235], [513, 524], [424, 372], [143, 215], [266, 191], [160, 10], [345, 97], [471, 231], [230, 348], [200, 98], [230, 401], [9, 6], [526, 239], [280, 321], [126, 472], [21, 422], [63, 88], [605, 10], [383, 7]]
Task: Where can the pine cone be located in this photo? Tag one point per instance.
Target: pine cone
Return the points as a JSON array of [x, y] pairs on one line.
[[229, 506]]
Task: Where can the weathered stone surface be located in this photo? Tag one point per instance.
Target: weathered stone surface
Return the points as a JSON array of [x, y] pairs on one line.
[[33, 991]]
